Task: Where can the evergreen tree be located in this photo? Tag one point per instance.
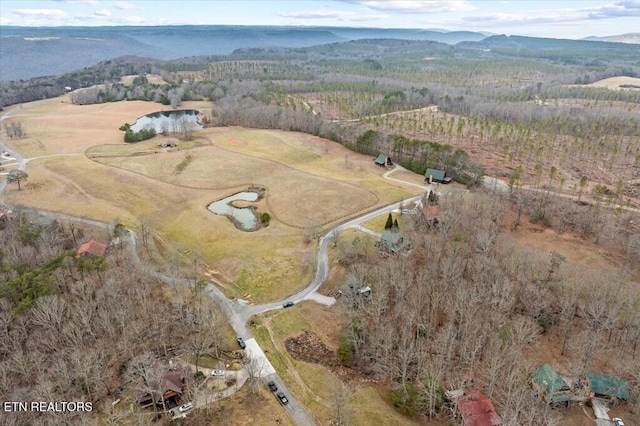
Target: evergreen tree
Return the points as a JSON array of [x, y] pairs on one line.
[[389, 223], [395, 223]]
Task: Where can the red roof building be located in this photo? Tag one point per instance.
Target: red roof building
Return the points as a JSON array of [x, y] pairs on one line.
[[92, 248], [477, 409], [431, 212]]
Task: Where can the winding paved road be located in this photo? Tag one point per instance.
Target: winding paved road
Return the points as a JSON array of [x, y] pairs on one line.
[[236, 312]]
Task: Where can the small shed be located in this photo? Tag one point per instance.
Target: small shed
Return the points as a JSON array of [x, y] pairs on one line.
[[607, 387], [435, 175], [92, 248], [381, 160], [551, 386], [476, 409]]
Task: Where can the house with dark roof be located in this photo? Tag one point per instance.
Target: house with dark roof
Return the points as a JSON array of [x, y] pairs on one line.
[[435, 175], [92, 248], [475, 408], [606, 387], [167, 389], [551, 386]]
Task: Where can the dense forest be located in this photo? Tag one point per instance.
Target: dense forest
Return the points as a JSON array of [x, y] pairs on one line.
[[467, 305], [89, 329]]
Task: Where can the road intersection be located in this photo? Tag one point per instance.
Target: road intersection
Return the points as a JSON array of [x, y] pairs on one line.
[[236, 312]]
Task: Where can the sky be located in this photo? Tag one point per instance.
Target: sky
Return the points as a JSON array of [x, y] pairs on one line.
[[551, 18]]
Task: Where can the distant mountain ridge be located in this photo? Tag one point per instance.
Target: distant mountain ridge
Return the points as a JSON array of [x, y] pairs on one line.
[[27, 52], [631, 38]]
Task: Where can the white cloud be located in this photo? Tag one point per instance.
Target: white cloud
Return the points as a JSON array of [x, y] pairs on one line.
[[89, 2], [103, 13], [333, 14], [55, 14], [416, 6], [619, 9], [123, 5]]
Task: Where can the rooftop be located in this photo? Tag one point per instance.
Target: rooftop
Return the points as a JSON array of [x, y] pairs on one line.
[[435, 173], [431, 212], [604, 384], [549, 380], [93, 248], [381, 159], [477, 409], [393, 240]]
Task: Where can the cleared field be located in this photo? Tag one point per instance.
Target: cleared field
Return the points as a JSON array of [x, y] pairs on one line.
[[312, 383], [295, 197], [615, 83], [310, 182]]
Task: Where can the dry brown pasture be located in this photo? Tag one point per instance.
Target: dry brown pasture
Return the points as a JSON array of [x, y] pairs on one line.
[[614, 83], [310, 183]]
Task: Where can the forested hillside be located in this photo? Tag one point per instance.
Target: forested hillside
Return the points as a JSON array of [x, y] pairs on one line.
[[88, 330]]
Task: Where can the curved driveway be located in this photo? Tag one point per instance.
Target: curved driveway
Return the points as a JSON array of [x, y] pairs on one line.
[[238, 313]]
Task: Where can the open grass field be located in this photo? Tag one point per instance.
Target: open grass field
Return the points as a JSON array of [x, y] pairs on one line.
[[78, 164], [616, 83], [312, 383]]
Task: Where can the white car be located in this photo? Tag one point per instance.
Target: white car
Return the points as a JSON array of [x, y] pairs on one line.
[[218, 373], [618, 421], [186, 407]]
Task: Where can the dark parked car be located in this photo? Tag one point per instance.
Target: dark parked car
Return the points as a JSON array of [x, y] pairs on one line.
[[287, 304], [272, 386], [282, 398], [241, 343]]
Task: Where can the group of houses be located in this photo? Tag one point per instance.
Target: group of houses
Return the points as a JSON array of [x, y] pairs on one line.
[[598, 390], [430, 175], [595, 389]]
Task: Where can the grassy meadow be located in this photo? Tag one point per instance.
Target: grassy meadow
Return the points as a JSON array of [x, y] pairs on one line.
[[78, 164]]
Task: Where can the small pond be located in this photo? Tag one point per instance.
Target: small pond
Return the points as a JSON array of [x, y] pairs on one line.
[[244, 217], [168, 121]]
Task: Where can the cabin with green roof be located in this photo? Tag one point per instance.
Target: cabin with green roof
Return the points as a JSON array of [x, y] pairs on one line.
[[383, 160], [607, 387], [551, 386], [435, 175], [393, 241]]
